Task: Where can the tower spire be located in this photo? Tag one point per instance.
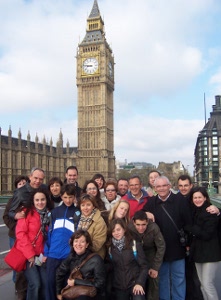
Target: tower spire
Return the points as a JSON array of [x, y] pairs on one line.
[[95, 12]]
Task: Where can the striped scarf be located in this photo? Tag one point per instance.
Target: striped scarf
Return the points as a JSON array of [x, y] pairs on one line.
[[85, 222]]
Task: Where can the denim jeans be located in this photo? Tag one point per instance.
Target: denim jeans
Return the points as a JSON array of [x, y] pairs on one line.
[[36, 277], [52, 265], [172, 280], [11, 243]]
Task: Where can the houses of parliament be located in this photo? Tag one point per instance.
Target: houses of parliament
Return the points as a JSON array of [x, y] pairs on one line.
[[95, 151]]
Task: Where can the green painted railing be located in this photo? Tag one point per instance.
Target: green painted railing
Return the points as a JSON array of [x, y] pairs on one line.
[[4, 199]]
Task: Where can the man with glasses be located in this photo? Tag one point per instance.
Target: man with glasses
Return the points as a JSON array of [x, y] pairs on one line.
[[136, 196], [171, 214]]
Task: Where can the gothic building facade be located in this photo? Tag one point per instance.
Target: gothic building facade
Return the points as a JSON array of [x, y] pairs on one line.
[[18, 156], [95, 151], [208, 150]]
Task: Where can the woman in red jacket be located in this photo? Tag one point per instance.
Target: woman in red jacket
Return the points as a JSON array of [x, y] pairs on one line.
[[31, 232]]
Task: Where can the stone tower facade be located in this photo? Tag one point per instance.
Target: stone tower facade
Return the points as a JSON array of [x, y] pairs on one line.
[[95, 83]]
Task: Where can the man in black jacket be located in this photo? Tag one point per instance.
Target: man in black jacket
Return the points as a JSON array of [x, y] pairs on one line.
[[171, 215], [71, 176], [23, 195]]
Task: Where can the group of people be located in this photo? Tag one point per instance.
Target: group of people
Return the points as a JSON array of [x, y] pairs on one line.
[[139, 237]]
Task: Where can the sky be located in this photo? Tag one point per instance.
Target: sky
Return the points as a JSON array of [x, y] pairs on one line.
[[167, 57]]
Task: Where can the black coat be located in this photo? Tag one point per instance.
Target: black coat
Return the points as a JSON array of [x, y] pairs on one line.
[[93, 271], [128, 269], [180, 213], [205, 245]]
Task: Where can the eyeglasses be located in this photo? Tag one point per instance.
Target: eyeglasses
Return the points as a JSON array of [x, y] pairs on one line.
[[91, 189], [110, 190]]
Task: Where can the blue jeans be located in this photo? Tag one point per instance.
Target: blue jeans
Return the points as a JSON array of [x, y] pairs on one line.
[[172, 280], [36, 277], [52, 265], [11, 243]]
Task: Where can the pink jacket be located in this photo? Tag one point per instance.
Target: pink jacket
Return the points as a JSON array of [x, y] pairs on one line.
[[26, 231]]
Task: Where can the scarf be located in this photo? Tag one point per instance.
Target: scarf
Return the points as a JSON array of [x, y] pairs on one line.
[[119, 244], [45, 220], [85, 222]]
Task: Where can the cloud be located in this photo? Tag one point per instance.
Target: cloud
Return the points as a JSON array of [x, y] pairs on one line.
[[167, 55]]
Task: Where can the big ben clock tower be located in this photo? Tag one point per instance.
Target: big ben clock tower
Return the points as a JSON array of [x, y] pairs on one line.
[[95, 83]]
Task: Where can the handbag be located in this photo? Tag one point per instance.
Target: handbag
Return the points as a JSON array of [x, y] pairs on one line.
[[16, 259], [72, 292], [183, 237]]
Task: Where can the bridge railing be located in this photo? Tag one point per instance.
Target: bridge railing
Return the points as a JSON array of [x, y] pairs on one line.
[[216, 200], [4, 199]]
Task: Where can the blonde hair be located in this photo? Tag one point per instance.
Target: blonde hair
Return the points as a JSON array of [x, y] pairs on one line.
[[114, 208]]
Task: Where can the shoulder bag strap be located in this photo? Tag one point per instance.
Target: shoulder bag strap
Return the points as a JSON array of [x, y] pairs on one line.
[[83, 262], [174, 224], [36, 237]]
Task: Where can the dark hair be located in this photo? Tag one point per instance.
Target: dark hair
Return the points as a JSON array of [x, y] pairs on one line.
[[122, 178], [20, 178], [140, 215], [79, 233], [69, 189], [29, 205], [135, 177], [98, 176], [100, 203], [202, 190], [84, 189], [110, 182], [122, 223], [72, 168], [154, 171], [86, 197], [185, 177], [54, 180]]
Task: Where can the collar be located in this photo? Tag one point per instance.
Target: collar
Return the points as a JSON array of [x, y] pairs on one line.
[[163, 200], [139, 197]]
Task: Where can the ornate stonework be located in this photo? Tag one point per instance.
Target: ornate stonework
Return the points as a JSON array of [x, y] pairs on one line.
[[95, 83], [95, 152]]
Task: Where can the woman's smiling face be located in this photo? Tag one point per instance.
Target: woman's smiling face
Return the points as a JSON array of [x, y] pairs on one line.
[[92, 189], [118, 232], [86, 208], [80, 245], [198, 199]]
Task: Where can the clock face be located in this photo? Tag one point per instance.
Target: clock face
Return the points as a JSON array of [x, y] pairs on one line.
[[110, 69], [90, 65]]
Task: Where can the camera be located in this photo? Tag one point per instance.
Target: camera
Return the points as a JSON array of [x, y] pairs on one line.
[[183, 237]]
